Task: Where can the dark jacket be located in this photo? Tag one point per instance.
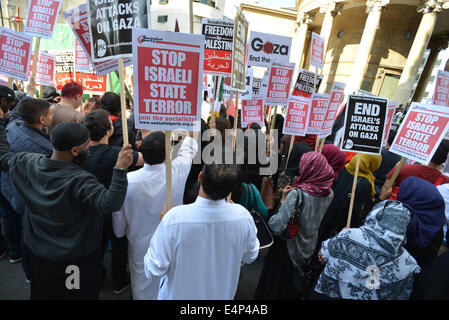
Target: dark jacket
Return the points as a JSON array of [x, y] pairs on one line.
[[117, 137], [63, 203], [23, 138]]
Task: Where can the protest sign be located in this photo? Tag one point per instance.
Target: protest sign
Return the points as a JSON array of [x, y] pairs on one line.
[[318, 111], [248, 84], [41, 17], [81, 59], [260, 86], [111, 25], [168, 72], [441, 92], [266, 49], [45, 70], [297, 116], [239, 52], [390, 112], [92, 83], [252, 111], [279, 84], [78, 20], [304, 83], [64, 68], [218, 46], [364, 124], [421, 132], [336, 98], [15, 51], [317, 51]]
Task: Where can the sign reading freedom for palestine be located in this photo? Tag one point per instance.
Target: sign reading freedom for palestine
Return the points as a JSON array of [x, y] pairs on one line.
[[15, 49], [364, 124], [304, 83], [421, 132], [111, 24], [168, 72], [41, 17], [218, 47]]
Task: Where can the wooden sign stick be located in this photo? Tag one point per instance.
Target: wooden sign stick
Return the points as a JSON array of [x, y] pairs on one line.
[[128, 94], [121, 70], [212, 107], [322, 144], [111, 87], [396, 173], [236, 115], [168, 176], [354, 186], [292, 142], [228, 108], [317, 142], [33, 70]]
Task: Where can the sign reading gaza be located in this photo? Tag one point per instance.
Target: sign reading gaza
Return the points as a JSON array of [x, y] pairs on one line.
[[364, 124], [266, 49], [111, 23], [168, 73]]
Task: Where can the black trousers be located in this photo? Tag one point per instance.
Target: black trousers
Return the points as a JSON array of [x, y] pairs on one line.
[[71, 280]]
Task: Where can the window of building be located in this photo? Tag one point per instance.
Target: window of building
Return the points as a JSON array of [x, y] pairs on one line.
[[161, 19], [163, 1], [210, 3], [426, 94]]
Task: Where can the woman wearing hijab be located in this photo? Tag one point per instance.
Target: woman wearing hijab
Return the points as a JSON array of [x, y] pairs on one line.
[[337, 214], [370, 262], [335, 157], [313, 193], [425, 231]]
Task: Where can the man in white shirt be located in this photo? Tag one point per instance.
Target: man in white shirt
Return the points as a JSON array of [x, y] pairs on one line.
[[145, 198], [198, 248]]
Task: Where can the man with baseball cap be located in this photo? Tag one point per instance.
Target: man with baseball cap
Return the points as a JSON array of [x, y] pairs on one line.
[[7, 99], [63, 223]]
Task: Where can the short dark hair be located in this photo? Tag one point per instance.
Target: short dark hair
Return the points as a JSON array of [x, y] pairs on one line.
[[98, 123], [111, 102], [153, 148], [30, 109], [220, 179], [71, 90], [440, 155]]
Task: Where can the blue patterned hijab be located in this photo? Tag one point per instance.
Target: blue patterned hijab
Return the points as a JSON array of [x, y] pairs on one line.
[[355, 257], [427, 206]]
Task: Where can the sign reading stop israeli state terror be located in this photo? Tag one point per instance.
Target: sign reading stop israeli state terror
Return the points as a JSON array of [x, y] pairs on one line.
[[218, 46], [252, 112], [15, 50], [82, 63], [41, 17], [336, 98], [238, 81], [45, 69], [390, 112], [111, 24], [297, 116], [364, 124], [441, 92], [266, 49], [318, 111], [168, 72], [421, 132], [305, 83], [279, 84], [78, 20], [317, 51]]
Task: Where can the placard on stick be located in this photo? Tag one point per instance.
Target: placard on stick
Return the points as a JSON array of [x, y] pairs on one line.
[[41, 17], [390, 112], [304, 83], [421, 132], [441, 92], [218, 46], [45, 70], [296, 116], [252, 112], [279, 84], [239, 52], [336, 98], [318, 110], [15, 52], [364, 124], [111, 25], [317, 51], [266, 49], [168, 73]]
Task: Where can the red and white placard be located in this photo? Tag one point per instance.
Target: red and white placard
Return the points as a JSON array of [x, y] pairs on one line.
[[279, 84], [336, 98], [297, 116], [318, 111], [252, 111], [41, 17], [45, 69], [15, 51], [441, 92], [390, 112], [317, 51]]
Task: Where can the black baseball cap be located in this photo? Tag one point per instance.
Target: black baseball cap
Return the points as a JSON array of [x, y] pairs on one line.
[[7, 93]]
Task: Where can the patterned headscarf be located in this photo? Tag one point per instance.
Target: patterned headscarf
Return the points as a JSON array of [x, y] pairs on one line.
[[368, 164], [428, 210], [377, 245], [316, 175], [335, 157]]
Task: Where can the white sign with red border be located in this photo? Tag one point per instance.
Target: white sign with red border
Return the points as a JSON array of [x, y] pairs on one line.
[[15, 52], [336, 98], [45, 69], [441, 92], [252, 112], [279, 84], [41, 17], [317, 51], [390, 112], [297, 116], [318, 111], [168, 75]]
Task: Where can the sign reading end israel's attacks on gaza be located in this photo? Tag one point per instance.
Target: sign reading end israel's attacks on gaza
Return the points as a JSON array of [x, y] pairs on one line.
[[364, 124]]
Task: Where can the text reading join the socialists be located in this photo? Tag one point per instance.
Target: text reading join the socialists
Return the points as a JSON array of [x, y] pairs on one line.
[[169, 80]]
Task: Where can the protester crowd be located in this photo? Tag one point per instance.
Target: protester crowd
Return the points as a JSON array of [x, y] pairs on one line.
[[70, 189]]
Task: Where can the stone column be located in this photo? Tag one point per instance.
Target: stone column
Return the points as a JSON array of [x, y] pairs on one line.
[[430, 10], [374, 9], [435, 48], [330, 11], [303, 21]]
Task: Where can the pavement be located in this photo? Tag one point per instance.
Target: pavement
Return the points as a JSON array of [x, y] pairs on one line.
[[14, 287]]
